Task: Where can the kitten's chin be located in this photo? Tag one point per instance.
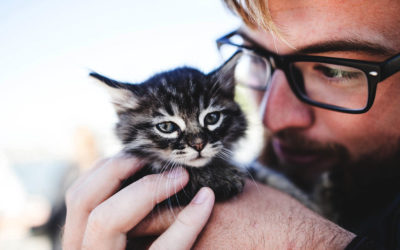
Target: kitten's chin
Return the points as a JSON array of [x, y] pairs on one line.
[[198, 162]]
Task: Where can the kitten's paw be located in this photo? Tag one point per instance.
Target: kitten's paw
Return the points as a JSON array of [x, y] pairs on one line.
[[228, 188]]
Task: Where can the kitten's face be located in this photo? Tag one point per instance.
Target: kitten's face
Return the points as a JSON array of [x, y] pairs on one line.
[[191, 137], [182, 117]]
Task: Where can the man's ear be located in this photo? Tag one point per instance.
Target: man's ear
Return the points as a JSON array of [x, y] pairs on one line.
[[224, 78], [122, 94]]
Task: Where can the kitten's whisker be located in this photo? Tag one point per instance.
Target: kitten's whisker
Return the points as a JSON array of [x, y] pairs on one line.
[[169, 166], [166, 191], [224, 155], [158, 181], [183, 190], [221, 156], [227, 150], [174, 166], [246, 169]]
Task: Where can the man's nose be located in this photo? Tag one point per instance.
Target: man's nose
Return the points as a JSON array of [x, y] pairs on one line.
[[282, 109]]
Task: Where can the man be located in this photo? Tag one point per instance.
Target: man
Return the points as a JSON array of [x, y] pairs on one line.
[[316, 109], [357, 143]]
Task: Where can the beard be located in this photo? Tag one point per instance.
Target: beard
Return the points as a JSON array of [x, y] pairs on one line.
[[347, 189], [376, 165], [329, 156]]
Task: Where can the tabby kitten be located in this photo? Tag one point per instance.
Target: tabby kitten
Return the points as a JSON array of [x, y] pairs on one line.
[[182, 118]]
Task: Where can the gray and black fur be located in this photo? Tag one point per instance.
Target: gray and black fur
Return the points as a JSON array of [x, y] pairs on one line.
[[182, 118]]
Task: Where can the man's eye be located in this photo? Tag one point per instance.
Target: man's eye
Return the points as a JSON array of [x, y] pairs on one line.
[[337, 73], [212, 118], [167, 127]]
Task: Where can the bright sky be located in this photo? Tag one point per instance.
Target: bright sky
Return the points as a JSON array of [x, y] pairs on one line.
[[47, 48]]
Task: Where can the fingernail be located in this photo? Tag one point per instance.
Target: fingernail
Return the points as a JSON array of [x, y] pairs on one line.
[[200, 197], [176, 173]]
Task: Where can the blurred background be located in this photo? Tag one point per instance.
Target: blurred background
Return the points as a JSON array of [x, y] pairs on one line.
[[55, 122]]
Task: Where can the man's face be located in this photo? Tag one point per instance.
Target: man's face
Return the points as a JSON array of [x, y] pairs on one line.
[[309, 140]]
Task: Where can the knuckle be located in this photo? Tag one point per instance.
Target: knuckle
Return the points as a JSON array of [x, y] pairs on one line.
[[75, 199], [71, 196], [103, 221], [96, 221], [74, 192]]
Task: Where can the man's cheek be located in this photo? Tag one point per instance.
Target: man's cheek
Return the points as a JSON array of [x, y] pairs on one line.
[[348, 130]]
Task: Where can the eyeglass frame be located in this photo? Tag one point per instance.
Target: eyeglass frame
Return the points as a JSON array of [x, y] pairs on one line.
[[375, 72]]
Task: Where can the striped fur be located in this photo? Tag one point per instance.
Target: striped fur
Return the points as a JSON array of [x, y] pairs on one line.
[[204, 120]]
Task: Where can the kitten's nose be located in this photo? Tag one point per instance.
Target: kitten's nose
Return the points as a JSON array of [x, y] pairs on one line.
[[196, 143], [198, 146]]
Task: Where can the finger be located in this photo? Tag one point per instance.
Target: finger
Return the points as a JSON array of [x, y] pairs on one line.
[[155, 223], [184, 231], [129, 206], [102, 182], [97, 165], [82, 176], [93, 189]]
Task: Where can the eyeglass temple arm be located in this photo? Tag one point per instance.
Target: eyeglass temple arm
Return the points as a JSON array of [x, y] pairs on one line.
[[390, 67]]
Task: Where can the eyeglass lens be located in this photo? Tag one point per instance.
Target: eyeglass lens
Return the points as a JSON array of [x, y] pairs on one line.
[[331, 84], [323, 83], [252, 71]]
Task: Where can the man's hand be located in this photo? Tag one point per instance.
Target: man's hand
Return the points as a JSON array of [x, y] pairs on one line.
[[259, 218], [99, 217]]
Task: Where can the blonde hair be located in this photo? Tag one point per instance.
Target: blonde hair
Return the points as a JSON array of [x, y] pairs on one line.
[[256, 14]]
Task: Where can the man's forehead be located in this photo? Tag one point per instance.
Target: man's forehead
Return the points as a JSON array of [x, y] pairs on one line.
[[304, 23]]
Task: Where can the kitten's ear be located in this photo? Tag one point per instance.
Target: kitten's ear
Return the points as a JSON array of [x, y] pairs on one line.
[[122, 94], [223, 77]]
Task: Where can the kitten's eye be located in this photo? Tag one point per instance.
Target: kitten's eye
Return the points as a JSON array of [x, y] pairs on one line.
[[212, 118], [167, 127]]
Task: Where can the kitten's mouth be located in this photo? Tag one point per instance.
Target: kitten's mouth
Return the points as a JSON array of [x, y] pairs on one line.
[[199, 156], [199, 161]]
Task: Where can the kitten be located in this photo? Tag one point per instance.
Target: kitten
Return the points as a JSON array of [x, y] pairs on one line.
[[182, 118]]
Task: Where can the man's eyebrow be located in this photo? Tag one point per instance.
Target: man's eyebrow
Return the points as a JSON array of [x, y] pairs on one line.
[[347, 46]]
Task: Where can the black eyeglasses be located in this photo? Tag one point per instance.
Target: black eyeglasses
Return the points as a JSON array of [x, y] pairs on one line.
[[339, 84]]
